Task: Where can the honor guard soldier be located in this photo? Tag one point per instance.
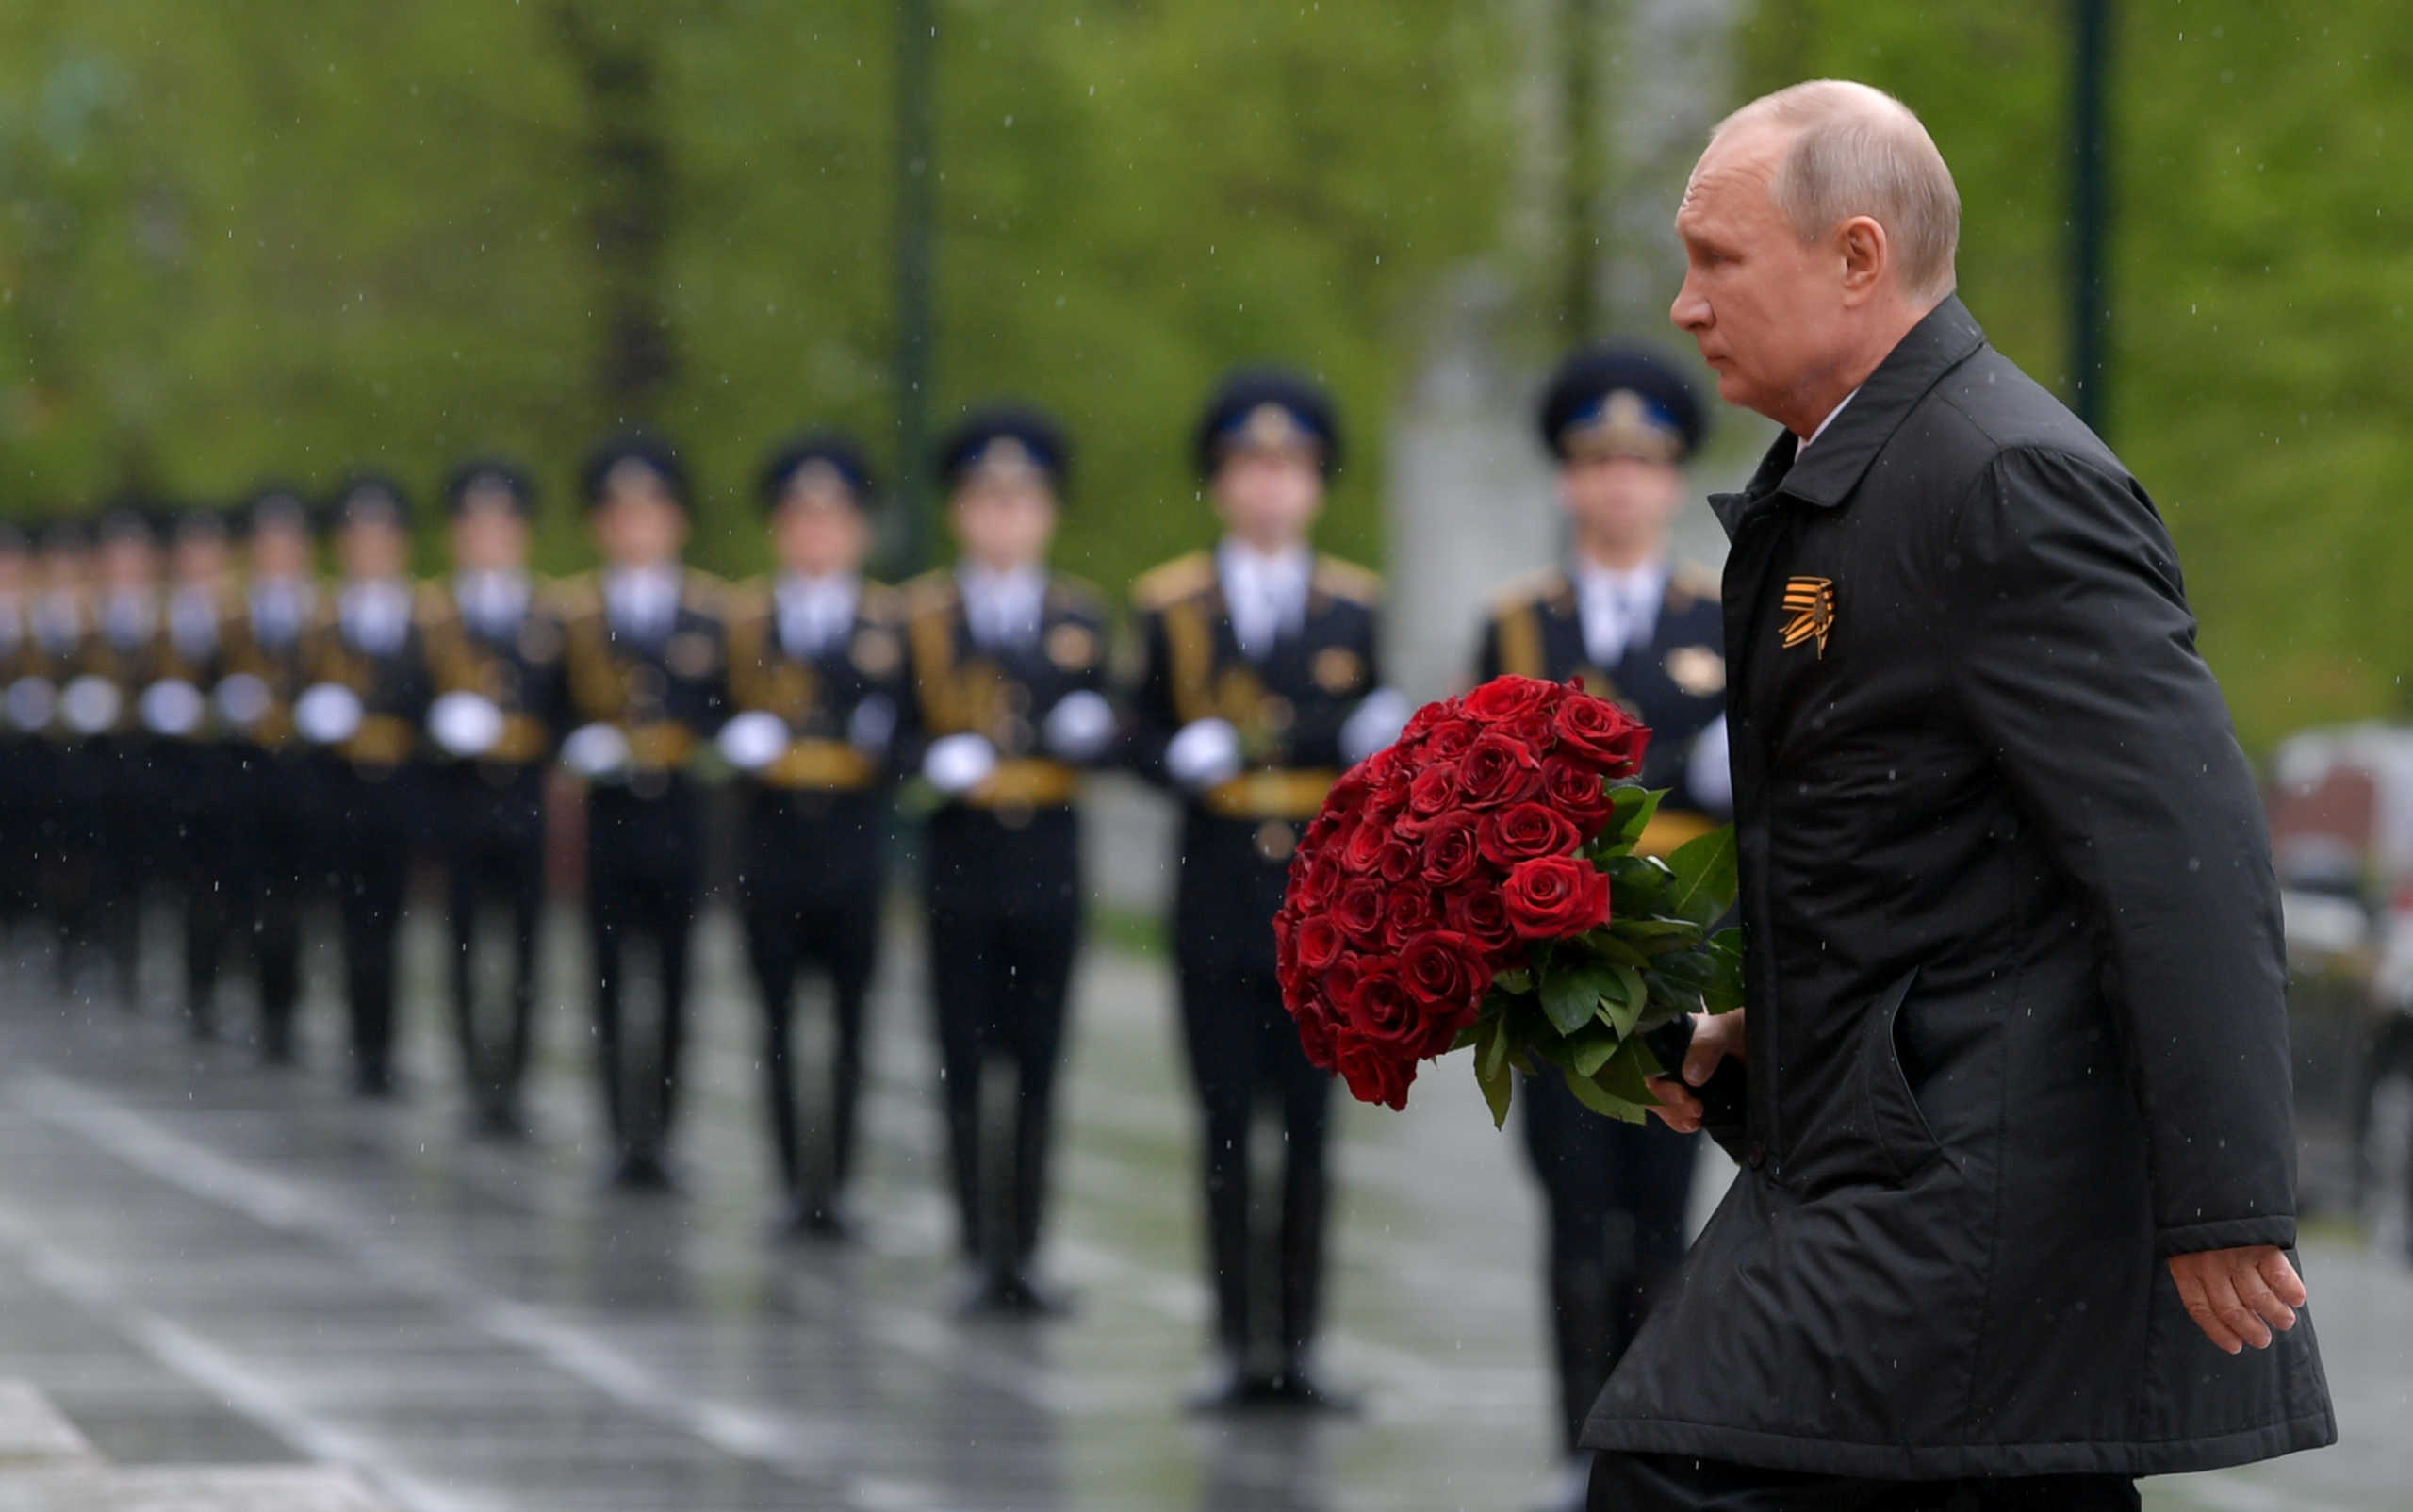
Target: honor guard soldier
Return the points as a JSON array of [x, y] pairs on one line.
[[816, 672], [196, 770], [20, 768], [367, 698], [1639, 627], [98, 710], [1260, 683], [1009, 673], [276, 850], [647, 664], [72, 881], [497, 660]]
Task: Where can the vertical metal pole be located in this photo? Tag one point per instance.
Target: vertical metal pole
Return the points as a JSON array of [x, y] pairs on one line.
[[2090, 213], [916, 178]]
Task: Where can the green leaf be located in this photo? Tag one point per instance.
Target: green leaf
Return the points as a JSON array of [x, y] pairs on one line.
[[1586, 1051], [1492, 1074], [1572, 993], [1723, 992], [1630, 815], [1706, 875], [1623, 1005], [1515, 979], [1471, 1034], [1614, 949], [1589, 1093], [1623, 1079]]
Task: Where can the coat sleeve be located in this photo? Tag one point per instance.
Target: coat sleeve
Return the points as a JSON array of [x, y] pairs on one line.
[[2075, 663], [1155, 719]]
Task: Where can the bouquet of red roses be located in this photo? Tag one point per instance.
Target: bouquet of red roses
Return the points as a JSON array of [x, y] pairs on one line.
[[1477, 885]]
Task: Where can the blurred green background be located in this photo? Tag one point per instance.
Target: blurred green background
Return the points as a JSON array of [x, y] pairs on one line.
[[268, 238]]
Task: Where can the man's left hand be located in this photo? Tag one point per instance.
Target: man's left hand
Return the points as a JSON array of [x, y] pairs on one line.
[[2238, 1296]]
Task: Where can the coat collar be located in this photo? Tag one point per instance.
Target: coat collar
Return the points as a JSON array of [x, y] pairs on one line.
[[1827, 472]]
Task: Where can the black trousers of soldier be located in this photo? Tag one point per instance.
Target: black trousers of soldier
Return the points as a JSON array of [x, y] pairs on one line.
[[371, 871], [1616, 1195], [494, 862], [1245, 1055], [1005, 912], [206, 893], [811, 889], [275, 849], [73, 859], [1680, 1482], [643, 880]]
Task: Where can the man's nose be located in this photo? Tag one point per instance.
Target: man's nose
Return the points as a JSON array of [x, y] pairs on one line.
[[1690, 311]]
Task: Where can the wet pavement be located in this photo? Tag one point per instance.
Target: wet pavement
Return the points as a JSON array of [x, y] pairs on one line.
[[201, 1261]]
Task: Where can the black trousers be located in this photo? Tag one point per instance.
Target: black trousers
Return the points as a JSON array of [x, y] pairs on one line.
[[811, 889], [276, 849], [72, 839], [1616, 1195], [643, 884], [1005, 925], [494, 861], [375, 809], [1679, 1483]]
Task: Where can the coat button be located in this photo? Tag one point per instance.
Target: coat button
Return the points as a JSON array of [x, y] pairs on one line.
[[1758, 1155]]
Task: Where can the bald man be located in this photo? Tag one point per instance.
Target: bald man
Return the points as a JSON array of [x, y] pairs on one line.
[[2016, 1214]]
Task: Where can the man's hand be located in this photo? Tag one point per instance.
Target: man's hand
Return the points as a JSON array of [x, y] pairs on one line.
[[1715, 1036], [2237, 1296]]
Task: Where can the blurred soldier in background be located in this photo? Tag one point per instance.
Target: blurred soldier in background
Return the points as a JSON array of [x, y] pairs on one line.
[[817, 669], [98, 708], [21, 767], [367, 696], [274, 845], [1009, 670], [648, 661], [1646, 630], [70, 866], [196, 771], [1260, 683], [497, 665]]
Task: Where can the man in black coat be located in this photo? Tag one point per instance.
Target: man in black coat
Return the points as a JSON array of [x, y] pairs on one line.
[[2017, 1206]]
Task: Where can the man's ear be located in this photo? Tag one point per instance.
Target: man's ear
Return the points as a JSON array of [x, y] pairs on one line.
[[1868, 256]]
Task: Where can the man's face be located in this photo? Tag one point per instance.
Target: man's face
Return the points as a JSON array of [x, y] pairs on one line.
[[371, 549], [201, 558], [1623, 503], [1268, 497], [66, 569], [128, 561], [280, 550], [490, 533], [819, 532], [639, 525], [15, 567], [1765, 308], [1004, 518]]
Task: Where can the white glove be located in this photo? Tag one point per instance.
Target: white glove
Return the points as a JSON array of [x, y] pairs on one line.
[[31, 701], [1379, 718], [956, 764], [1081, 726], [327, 713], [242, 699], [598, 752], [171, 707], [1203, 753], [466, 723], [1708, 777], [754, 739], [90, 704], [873, 725]]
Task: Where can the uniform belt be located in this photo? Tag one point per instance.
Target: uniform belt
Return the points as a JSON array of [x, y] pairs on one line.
[[1666, 832], [821, 766], [1027, 783], [381, 740], [525, 742], [661, 747], [1273, 795]]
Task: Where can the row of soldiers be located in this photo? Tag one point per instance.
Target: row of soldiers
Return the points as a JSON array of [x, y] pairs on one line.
[[288, 737]]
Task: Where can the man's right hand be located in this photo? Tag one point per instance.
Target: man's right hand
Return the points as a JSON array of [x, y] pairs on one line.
[[1715, 1036]]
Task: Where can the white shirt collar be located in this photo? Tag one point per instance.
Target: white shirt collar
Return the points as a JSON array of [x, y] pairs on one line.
[[642, 599], [814, 612], [1619, 606], [1264, 595], [1004, 607], [1802, 445]]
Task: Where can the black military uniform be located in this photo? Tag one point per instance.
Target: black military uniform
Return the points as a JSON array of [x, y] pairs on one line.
[[275, 849], [73, 797], [816, 675], [365, 658], [1618, 1192], [1254, 736], [647, 664], [497, 662], [996, 660], [20, 766]]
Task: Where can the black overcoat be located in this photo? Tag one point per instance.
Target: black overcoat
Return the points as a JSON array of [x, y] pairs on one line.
[[2017, 993]]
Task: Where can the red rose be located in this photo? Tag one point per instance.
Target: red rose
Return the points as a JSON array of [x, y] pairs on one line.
[[1478, 913], [1423, 722], [1318, 1039], [1375, 1074], [1358, 910], [1353, 788], [1413, 910], [1434, 789], [1576, 791], [1449, 739], [1449, 857], [1508, 697], [1396, 862], [1340, 982], [1553, 897], [1390, 780], [1385, 1010], [1497, 771], [1314, 879], [1507, 837], [1318, 941], [1444, 971], [1600, 732], [1361, 847]]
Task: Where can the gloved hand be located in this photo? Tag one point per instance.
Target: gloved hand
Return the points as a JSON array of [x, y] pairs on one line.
[[872, 726], [754, 739], [327, 713], [1203, 753], [465, 723], [1377, 720], [242, 699], [599, 752], [1081, 726], [955, 764], [171, 707]]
